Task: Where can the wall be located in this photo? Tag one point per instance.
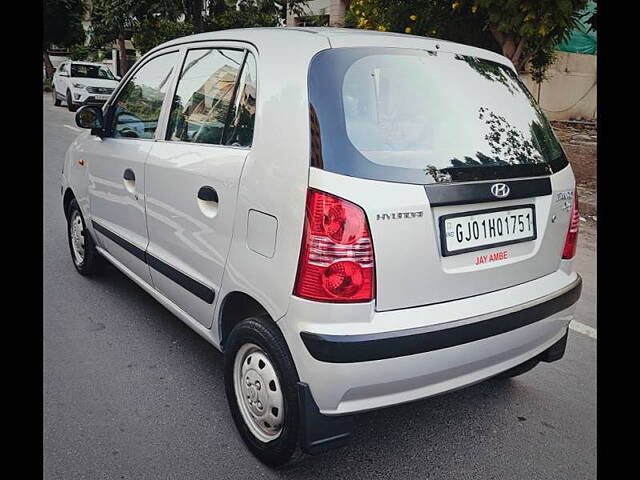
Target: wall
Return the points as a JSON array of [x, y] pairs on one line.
[[334, 8], [571, 89]]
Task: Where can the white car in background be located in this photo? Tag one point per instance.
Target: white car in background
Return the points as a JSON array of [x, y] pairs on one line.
[[82, 83]]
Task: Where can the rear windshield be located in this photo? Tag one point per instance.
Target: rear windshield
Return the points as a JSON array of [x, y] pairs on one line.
[[91, 71], [417, 116]]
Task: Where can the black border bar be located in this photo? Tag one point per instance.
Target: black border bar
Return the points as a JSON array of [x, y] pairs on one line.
[[200, 290], [441, 194], [379, 346]]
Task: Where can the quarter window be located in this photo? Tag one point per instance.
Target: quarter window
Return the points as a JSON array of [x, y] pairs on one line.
[[138, 106], [205, 90], [242, 116]]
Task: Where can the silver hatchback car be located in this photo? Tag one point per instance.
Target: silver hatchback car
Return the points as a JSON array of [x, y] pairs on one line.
[[355, 219]]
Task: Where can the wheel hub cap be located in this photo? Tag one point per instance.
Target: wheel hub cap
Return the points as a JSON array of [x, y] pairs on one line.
[[258, 393], [77, 238]]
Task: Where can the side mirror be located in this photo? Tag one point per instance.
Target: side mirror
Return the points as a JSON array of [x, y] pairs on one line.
[[89, 116], [118, 77]]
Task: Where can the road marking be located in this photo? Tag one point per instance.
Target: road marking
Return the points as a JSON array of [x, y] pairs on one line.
[[584, 329], [73, 128]]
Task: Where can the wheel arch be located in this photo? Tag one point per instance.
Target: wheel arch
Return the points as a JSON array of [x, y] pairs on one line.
[[235, 307], [66, 201]]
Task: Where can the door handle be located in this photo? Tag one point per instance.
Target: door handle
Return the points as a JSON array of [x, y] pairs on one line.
[[208, 194], [208, 201], [130, 182]]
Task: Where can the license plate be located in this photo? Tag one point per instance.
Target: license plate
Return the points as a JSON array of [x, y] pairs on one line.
[[102, 97], [470, 231]]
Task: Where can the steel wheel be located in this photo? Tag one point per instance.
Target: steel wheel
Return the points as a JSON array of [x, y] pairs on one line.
[[77, 237], [258, 393]]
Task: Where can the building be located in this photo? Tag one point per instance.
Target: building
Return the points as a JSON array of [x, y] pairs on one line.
[[321, 13]]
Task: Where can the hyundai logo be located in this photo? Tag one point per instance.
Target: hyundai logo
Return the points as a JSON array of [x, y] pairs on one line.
[[500, 190]]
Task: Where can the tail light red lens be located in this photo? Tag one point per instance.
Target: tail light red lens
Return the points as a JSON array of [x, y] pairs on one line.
[[336, 262], [571, 242]]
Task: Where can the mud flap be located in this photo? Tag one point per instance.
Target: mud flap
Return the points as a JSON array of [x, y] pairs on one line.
[[320, 433]]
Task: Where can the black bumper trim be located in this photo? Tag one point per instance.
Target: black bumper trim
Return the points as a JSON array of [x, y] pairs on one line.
[[379, 346]]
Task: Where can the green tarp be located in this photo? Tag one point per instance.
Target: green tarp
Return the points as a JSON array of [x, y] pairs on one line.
[[582, 40]]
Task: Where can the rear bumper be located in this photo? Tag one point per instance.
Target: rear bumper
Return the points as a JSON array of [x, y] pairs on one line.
[[320, 433], [386, 345], [352, 363]]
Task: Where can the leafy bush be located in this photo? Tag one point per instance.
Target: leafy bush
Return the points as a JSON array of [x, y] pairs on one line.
[[85, 53], [46, 85]]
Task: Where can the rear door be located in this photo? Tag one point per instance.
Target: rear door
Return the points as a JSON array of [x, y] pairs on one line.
[[192, 175], [116, 163], [465, 187]]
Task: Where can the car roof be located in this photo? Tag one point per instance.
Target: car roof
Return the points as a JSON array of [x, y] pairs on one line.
[[284, 37], [74, 62]]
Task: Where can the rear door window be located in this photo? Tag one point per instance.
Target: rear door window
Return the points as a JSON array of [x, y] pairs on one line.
[[421, 117], [202, 101]]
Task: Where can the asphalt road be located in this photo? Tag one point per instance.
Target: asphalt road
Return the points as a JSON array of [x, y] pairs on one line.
[[130, 392]]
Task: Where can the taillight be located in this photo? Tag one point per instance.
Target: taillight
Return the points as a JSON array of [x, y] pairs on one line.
[[336, 261], [571, 242]]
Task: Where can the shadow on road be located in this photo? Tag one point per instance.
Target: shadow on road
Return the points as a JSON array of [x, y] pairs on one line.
[[382, 438]]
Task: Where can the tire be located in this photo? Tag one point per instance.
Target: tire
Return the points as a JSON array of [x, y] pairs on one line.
[[519, 369], [263, 334], [89, 262], [56, 100], [70, 105]]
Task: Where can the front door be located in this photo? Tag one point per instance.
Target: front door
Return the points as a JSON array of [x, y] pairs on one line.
[[116, 167], [192, 176]]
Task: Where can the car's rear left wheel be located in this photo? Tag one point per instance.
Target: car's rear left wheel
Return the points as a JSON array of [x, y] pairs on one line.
[[261, 387]]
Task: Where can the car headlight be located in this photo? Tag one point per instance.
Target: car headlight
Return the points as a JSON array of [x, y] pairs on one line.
[[79, 85]]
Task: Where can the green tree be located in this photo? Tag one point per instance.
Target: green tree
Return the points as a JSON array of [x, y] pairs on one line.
[[117, 20], [251, 13], [62, 27], [151, 22], [151, 32], [113, 21], [525, 31], [157, 21]]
